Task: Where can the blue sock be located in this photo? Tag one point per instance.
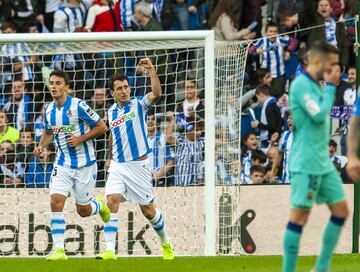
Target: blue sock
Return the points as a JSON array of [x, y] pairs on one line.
[[110, 231], [95, 206], [159, 226], [58, 229], [291, 246], [330, 238]]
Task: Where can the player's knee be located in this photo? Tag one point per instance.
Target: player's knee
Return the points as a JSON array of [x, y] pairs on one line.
[[56, 205], [148, 212], [83, 211], [113, 203]]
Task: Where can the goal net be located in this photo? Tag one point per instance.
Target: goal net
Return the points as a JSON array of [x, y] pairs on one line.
[[200, 109]]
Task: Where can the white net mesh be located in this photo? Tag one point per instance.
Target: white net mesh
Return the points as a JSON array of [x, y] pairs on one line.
[[24, 205]]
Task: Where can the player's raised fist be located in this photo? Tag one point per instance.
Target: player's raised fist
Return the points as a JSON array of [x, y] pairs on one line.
[[37, 151], [146, 64]]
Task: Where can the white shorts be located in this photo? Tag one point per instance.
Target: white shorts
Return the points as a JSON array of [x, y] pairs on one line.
[[82, 181], [132, 180]]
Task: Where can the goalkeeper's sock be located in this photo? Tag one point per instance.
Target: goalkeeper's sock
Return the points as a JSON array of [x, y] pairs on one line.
[[110, 230], [58, 229], [158, 224], [95, 206], [291, 246], [330, 238]]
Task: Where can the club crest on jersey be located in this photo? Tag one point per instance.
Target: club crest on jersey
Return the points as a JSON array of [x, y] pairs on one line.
[[122, 119], [69, 113], [64, 129]]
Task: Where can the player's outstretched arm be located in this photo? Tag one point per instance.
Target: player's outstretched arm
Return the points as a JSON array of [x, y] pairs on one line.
[[99, 129], [352, 141], [46, 139], [149, 69]]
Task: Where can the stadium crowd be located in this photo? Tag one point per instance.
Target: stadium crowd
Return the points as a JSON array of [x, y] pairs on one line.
[[176, 130]]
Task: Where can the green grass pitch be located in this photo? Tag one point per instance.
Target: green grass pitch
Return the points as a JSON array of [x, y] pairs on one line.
[[341, 263]]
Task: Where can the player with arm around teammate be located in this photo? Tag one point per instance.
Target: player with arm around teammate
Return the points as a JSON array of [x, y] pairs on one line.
[[313, 175], [72, 124], [129, 172]]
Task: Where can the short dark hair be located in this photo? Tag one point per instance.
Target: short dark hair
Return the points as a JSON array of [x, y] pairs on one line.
[[302, 55], [351, 66], [6, 25], [257, 168], [317, 4], [332, 143], [192, 80], [61, 74], [270, 24], [259, 155], [263, 89], [322, 47], [116, 77]]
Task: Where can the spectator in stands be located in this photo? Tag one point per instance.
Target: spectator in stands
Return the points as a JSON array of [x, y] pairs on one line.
[[349, 19], [261, 76], [100, 102], [233, 176], [258, 157], [191, 106], [143, 15], [332, 150], [272, 167], [303, 61], [293, 6], [48, 8], [6, 13], [24, 148], [331, 32], [257, 174], [337, 8], [104, 16], [352, 77], [15, 60], [25, 11], [270, 121], [189, 157], [224, 22], [11, 172], [248, 145], [5, 146], [181, 14], [70, 17], [38, 171], [285, 144], [7, 132], [344, 92], [39, 124], [161, 158], [273, 54], [19, 107]]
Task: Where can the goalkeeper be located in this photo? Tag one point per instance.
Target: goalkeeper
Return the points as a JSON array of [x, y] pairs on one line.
[[312, 174]]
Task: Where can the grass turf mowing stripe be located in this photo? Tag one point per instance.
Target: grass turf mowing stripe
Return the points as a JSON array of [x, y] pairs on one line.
[[341, 263]]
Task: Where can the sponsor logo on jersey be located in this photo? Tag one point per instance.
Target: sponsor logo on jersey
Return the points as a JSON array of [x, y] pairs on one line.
[[122, 119], [64, 129]]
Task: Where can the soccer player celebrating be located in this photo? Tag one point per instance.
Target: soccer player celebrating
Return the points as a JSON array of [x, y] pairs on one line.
[[73, 124], [352, 142], [129, 172], [313, 175]]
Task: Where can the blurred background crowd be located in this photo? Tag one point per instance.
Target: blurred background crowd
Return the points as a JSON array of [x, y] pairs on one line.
[[280, 32]]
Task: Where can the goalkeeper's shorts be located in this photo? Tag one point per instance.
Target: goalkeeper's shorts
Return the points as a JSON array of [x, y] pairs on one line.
[[132, 180], [81, 181], [307, 189]]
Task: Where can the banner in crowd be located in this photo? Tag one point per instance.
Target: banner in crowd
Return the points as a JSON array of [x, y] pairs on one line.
[[250, 220], [342, 112]]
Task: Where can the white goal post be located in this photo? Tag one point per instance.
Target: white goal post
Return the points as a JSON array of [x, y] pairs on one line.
[[219, 61]]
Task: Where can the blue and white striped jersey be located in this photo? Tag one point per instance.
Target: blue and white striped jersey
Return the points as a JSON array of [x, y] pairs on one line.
[[75, 117], [246, 163], [161, 152], [189, 161], [68, 18], [128, 125], [127, 8], [285, 146], [272, 57]]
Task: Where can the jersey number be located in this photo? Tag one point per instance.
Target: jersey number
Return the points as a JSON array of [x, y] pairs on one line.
[[54, 173]]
